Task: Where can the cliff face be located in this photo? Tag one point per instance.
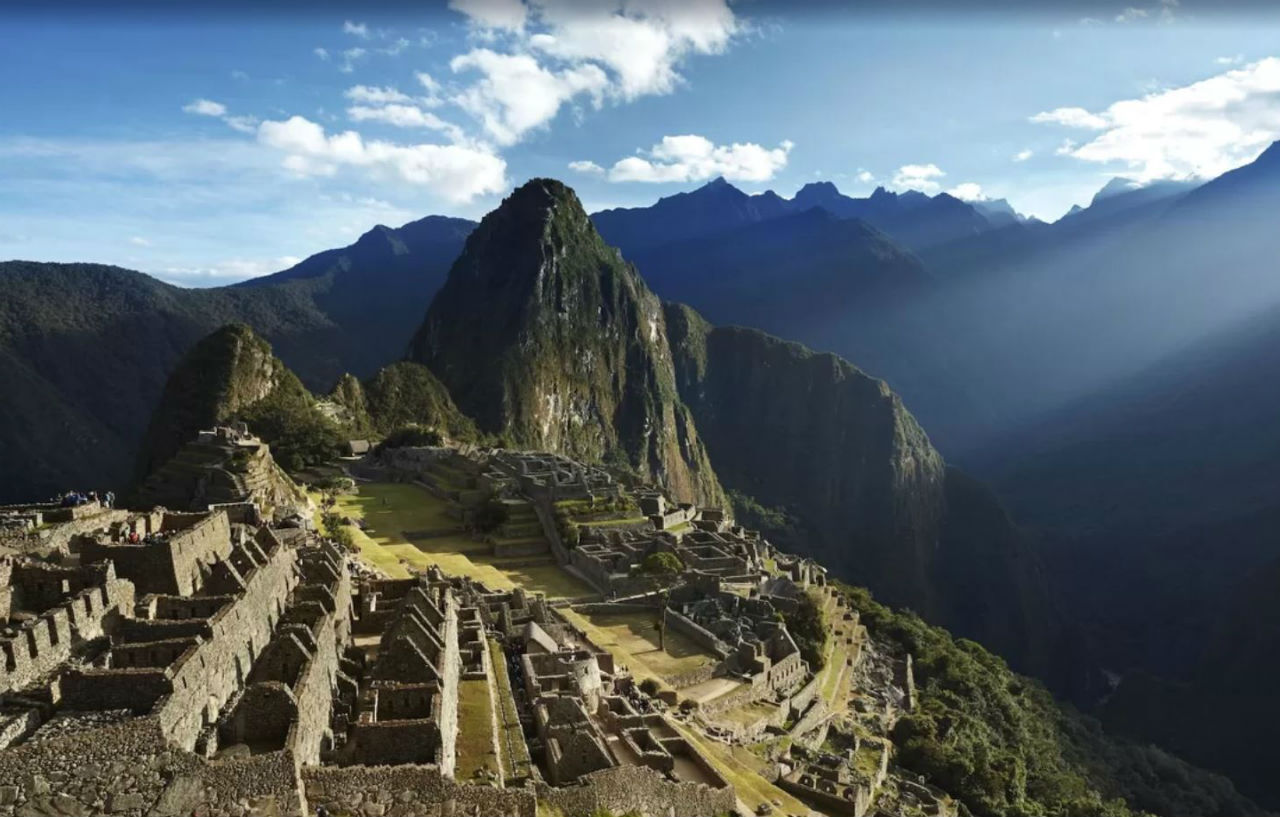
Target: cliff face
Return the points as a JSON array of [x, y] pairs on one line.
[[543, 334], [811, 433], [223, 374], [835, 448]]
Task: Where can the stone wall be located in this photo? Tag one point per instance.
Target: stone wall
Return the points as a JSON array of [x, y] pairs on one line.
[[639, 790], [171, 566], [695, 633], [408, 791], [41, 644], [129, 769]]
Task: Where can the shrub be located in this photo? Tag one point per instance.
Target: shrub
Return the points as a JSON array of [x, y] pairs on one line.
[[410, 436], [662, 563], [649, 687], [491, 515]]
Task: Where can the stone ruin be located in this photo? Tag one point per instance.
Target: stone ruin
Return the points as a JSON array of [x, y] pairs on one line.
[[223, 465]]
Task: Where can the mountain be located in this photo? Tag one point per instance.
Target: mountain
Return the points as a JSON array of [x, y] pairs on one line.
[[545, 335], [373, 292], [837, 450], [715, 206], [912, 219], [88, 347], [221, 376], [999, 212]]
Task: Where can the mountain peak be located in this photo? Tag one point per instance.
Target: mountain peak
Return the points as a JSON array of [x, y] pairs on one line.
[[1115, 187], [818, 189]]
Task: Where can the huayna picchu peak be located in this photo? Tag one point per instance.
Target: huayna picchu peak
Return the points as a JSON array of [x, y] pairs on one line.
[[549, 339]]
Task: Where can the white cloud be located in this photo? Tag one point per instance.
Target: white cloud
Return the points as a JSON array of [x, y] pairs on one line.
[[518, 95], [641, 42], [865, 177], [371, 95], [240, 75], [1023, 155], [322, 53], [405, 116], [1130, 14], [458, 173], [138, 241], [1071, 118], [349, 58], [428, 82], [588, 167], [506, 15], [1194, 131], [694, 158], [1234, 60], [232, 269], [967, 191], [554, 51], [358, 29], [918, 177], [395, 48], [206, 107]]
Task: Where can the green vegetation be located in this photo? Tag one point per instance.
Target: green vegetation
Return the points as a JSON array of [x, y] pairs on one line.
[[777, 523], [491, 515], [808, 626], [287, 420], [662, 563], [411, 436], [998, 741], [408, 394]]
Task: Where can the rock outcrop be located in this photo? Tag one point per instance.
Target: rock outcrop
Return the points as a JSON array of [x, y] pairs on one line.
[[543, 334], [223, 374]]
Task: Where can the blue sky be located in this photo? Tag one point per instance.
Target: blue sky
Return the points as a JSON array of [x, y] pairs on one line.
[[211, 145]]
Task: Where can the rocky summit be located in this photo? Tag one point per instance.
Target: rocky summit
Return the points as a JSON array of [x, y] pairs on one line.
[[546, 336]]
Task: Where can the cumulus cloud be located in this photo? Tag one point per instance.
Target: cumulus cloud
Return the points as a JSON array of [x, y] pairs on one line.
[[690, 157], [1071, 118], [968, 191], [405, 116], [588, 167], [458, 173], [322, 53], [349, 58], [919, 177], [516, 94], [1194, 131], [556, 52], [371, 95], [1023, 155], [505, 15], [865, 177], [1232, 60], [357, 29], [205, 107]]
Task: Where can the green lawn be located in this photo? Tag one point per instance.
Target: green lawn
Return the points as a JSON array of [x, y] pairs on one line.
[[391, 509], [633, 639], [475, 730], [515, 752]]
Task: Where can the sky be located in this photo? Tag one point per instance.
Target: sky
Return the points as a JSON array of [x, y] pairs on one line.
[[205, 145]]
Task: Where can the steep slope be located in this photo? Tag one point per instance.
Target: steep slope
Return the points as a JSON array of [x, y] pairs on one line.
[[542, 333], [373, 292], [838, 451], [832, 284], [89, 347], [232, 375]]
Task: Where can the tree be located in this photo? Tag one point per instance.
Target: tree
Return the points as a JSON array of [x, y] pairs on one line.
[[662, 563]]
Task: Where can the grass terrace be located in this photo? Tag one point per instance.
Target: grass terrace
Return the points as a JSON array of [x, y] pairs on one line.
[[475, 730], [632, 639], [390, 510]]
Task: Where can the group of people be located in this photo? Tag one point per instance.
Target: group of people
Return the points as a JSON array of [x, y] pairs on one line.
[[74, 499]]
